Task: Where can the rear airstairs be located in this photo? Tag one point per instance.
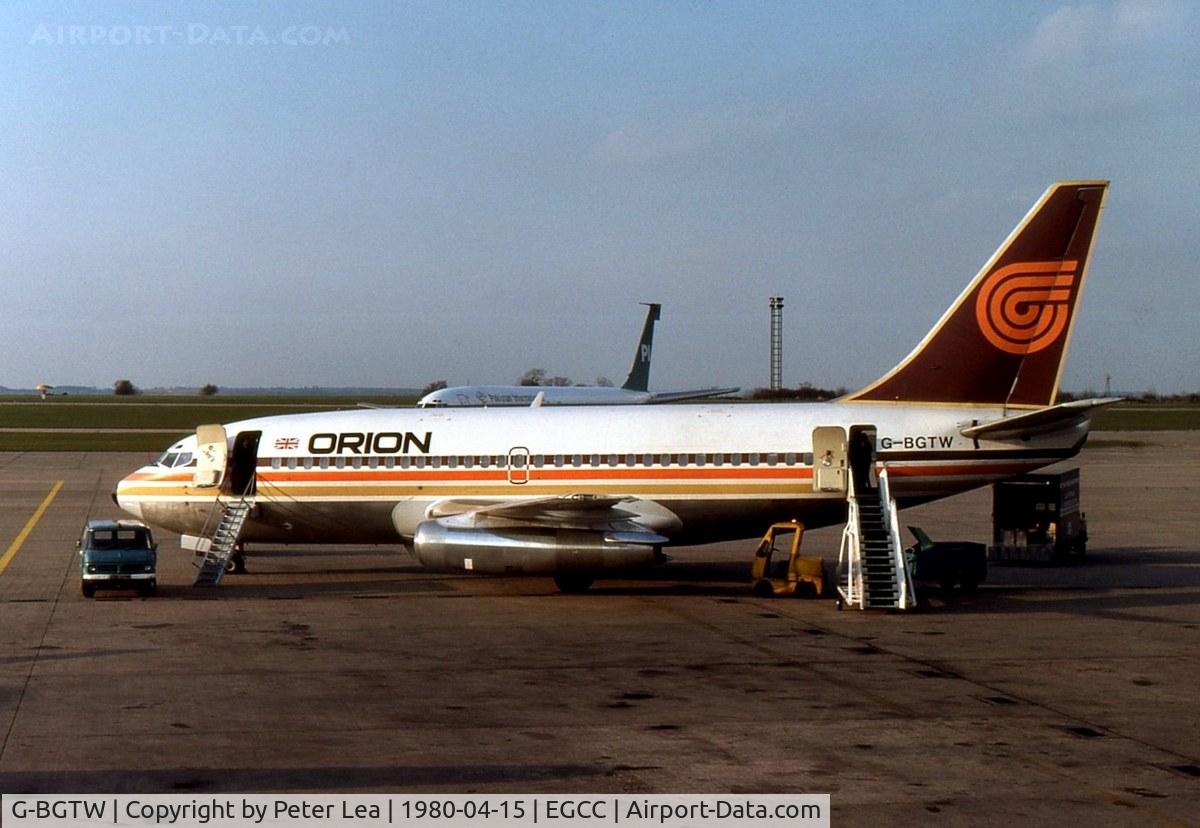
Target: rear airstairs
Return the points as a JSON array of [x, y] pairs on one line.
[[873, 572], [213, 553]]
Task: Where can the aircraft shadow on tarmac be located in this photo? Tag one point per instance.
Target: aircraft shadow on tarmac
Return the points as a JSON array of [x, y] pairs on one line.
[[296, 589], [342, 553], [382, 777], [1146, 578]]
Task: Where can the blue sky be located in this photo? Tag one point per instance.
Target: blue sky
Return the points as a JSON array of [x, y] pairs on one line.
[[386, 194]]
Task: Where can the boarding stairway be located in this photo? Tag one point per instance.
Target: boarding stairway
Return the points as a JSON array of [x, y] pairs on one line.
[[873, 572], [213, 552]]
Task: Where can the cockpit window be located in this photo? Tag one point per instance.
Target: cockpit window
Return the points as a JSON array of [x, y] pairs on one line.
[[171, 459]]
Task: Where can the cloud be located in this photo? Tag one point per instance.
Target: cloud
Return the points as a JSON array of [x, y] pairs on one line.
[[1064, 34], [1072, 32]]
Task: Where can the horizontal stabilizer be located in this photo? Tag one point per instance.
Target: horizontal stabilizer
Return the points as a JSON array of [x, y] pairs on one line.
[[1032, 423]]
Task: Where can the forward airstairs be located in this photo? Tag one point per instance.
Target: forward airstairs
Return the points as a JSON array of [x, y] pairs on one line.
[[214, 552], [873, 572]]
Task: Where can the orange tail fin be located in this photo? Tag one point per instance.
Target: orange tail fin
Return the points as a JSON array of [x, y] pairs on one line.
[[1004, 340]]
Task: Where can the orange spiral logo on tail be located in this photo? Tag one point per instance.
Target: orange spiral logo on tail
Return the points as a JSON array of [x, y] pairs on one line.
[[1024, 307]]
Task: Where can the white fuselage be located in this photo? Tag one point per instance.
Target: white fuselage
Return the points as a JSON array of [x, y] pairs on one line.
[[477, 396], [694, 473]]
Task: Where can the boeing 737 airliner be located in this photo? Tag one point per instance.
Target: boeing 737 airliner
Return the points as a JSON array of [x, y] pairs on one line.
[[574, 492], [634, 391]]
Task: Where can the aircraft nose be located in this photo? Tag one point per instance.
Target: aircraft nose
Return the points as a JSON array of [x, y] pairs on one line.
[[128, 504]]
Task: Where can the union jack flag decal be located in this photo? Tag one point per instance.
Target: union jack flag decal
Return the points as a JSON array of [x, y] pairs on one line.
[[287, 443]]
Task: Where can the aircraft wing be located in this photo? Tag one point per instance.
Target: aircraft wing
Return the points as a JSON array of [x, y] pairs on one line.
[[697, 394], [1041, 421], [587, 512]]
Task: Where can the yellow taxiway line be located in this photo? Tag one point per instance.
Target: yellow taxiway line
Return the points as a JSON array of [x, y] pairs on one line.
[[15, 546]]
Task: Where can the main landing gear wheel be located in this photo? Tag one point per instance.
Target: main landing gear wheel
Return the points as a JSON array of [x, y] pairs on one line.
[[763, 589], [573, 582], [236, 565]]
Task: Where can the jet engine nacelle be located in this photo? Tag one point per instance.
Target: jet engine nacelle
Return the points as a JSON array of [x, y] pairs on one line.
[[530, 550]]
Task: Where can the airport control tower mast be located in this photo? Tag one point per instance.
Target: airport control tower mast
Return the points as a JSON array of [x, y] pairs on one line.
[[776, 303]]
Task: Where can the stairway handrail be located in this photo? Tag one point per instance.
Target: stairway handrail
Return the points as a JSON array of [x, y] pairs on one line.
[[850, 554], [213, 521], [892, 516]]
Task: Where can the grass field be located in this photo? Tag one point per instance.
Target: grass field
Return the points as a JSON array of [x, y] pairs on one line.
[[1143, 417], [168, 418]]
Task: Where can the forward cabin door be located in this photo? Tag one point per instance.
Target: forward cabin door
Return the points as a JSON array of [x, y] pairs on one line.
[[862, 457], [830, 457], [243, 463], [212, 450]]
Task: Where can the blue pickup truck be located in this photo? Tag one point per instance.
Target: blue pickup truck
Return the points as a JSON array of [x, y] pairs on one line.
[[117, 554]]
